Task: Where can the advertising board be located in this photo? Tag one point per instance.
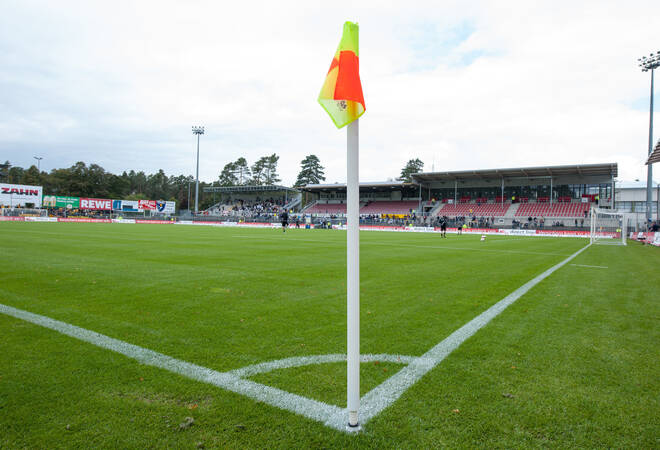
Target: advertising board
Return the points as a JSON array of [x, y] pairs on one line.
[[128, 205], [11, 219], [147, 205], [83, 220], [163, 207], [13, 195], [55, 201], [100, 204]]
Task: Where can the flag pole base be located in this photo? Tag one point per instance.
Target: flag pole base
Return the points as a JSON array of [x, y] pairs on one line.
[[353, 419]]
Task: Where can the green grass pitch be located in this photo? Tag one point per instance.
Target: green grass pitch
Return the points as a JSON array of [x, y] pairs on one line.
[[572, 363]]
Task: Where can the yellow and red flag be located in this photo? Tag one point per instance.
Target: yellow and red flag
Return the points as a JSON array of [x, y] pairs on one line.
[[341, 94]]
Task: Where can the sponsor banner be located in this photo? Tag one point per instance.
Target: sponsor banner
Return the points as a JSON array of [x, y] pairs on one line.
[[116, 205], [422, 229], [520, 232], [11, 219], [214, 223], [55, 201], [123, 221], [14, 195], [83, 219], [656, 239], [563, 233], [481, 231], [163, 207], [162, 222], [41, 219], [147, 205], [374, 228], [129, 205], [98, 204]]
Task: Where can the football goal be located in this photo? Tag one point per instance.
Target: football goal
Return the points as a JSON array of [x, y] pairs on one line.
[[608, 227]]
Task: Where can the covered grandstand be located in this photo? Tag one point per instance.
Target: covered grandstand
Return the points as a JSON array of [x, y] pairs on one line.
[[508, 195], [252, 201]]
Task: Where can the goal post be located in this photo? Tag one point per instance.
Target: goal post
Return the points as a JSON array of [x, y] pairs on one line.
[[608, 227]]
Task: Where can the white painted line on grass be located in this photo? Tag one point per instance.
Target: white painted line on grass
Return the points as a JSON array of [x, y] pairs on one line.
[[391, 389], [301, 405], [374, 402], [593, 267]]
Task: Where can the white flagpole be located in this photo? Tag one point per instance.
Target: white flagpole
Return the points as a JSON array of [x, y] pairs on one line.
[[353, 272]]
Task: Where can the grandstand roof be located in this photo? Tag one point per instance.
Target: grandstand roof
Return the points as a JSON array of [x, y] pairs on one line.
[[249, 188], [601, 171], [655, 156], [372, 184]]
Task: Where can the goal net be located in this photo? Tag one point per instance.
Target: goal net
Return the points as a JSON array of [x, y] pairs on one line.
[[608, 227]]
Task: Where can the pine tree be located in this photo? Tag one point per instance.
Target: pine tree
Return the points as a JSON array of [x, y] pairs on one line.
[[270, 170], [228, 175], [413, 166], [311, 171], [242, 171]]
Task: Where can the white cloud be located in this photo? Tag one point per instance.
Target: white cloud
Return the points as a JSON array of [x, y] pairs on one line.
[[490, 84]]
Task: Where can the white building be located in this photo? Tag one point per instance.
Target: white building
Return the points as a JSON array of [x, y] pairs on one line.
[[630, 197]]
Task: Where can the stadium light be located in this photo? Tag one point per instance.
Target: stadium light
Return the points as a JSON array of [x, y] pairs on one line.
[[198, 131], [651, 63], [38, 158]]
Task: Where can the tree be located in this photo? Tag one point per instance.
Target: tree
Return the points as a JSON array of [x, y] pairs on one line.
[[15, 174], [228, 175], [242, 171], [157, 185], [4, 170], [311, 171], [413, 166], [258, 171], [31, 177], [270, 170]]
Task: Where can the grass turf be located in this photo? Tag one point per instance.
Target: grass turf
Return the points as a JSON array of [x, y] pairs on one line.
[[571, 363]]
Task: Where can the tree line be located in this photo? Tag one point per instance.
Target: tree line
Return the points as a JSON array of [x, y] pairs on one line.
[[83, 180]]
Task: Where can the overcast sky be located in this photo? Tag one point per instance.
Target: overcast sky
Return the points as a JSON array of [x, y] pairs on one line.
[[461, 85]]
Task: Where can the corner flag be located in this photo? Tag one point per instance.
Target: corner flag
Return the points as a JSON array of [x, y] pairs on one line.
[[341, 97], [341, 94]]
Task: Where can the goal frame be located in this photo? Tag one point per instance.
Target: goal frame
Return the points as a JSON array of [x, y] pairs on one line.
[[618, 221]]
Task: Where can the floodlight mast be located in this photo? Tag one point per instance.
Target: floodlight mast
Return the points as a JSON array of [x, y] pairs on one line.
[[38, 158], [651, 63], [198, 131]]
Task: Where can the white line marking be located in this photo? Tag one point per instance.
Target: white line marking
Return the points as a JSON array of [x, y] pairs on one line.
[[584, 265], [306, 407], [374, 402], [391, 389]]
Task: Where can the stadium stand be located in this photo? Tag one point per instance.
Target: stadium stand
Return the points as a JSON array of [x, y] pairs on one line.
[[575, 209], [381, 207], [479, 210], [326, 208]]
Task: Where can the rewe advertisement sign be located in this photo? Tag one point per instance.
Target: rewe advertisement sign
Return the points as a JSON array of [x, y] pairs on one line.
[[14, 195], [96, 204]]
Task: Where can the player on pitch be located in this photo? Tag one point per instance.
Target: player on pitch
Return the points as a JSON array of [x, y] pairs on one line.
[[285, 221], [443, 227]]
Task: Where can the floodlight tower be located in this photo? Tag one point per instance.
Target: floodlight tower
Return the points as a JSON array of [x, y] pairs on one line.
[[198, 131], [651, 63], [38, 158]]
